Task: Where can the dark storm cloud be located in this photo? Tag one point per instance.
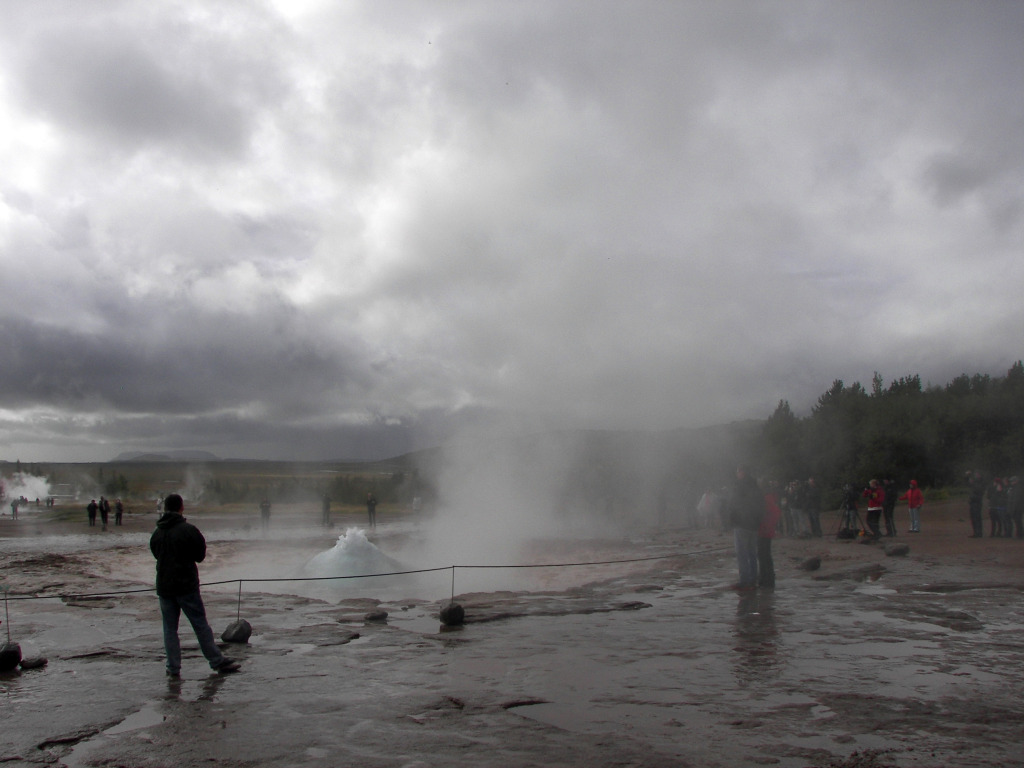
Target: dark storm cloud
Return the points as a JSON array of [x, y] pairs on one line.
[[324, 222], [134, 79], [179, 360]]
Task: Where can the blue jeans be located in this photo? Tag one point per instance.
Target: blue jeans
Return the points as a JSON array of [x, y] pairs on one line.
[[746, 556], [191, 604]]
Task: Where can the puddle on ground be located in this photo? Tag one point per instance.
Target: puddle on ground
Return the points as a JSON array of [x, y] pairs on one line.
[[147, 717], [415, 621]]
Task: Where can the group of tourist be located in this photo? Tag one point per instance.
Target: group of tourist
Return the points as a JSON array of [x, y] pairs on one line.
[[1005, 505], [881, 498], [102, 507], [800, 505], [758, 512]]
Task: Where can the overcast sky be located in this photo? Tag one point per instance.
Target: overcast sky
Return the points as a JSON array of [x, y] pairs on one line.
[[272, 230]]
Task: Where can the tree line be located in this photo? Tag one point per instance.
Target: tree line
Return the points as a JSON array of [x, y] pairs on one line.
[[933, 434]]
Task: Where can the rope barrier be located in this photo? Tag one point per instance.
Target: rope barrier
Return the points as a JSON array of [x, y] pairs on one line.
[[115, 593]]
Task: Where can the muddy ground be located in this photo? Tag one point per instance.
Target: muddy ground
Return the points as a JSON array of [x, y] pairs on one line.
[[872, 660]]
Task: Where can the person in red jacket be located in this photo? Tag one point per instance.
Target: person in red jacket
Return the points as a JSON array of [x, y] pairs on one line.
[[765, 533], [876, 499], [915, 500]]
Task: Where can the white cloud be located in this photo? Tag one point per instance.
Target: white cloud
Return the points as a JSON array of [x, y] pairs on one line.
[[644, 215]]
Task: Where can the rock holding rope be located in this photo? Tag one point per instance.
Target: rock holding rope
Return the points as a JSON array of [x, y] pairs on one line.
[[237, 632], [10, 656], [453, 615]]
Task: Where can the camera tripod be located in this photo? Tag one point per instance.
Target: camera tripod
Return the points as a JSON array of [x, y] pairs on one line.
[[850, 525]]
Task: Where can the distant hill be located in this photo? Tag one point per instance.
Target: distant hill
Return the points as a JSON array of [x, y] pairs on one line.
[[185, 455]]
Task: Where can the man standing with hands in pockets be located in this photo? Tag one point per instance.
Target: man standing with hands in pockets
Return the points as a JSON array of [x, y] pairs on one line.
[[178, 547]]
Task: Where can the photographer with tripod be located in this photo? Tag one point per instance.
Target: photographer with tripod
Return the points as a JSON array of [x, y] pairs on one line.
[[850, 525]]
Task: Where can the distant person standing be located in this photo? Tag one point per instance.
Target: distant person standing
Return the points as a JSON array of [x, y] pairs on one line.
[[264, 515], [997, 508], [91, 510], [765, 533], [178, 547], [976, 498], [915, 500], [371, 510], [889, 506], [325, 511], [813, 502], [707, 508], [14, 509], [876, 499], [797, 507], [118, 512], [746, 510], [104, 511], [1015, 507]]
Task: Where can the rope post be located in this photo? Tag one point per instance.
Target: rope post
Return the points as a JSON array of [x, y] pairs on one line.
[[7, 615], [241, 630], [453, 614], [10, 653]]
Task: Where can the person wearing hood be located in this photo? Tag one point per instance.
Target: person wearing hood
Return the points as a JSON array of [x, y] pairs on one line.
[[915, 500], [178, 547]]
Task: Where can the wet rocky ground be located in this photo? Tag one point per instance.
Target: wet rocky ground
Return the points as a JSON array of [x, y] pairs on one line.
[[871, 660]]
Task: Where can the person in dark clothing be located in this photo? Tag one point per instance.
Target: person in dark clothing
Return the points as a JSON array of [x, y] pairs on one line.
[[997, 508], [91, 510], [325, 511], [889, 506], [265, 515], [371, 509], [178, 546], [765, 533], [812, 499], [1015, 507], [104, 511], [746, 508], [976, 498], [118, 512]]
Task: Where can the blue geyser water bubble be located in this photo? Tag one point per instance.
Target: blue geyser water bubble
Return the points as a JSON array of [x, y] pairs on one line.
[[352, 555]]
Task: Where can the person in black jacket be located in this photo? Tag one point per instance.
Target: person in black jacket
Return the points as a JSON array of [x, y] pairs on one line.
[[178, 546], [746, 511], [889, 506], [976, 498]]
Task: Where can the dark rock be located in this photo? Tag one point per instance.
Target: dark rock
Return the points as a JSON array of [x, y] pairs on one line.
[[237, 632], [376, 617], [10, 656], [811, 564], [36, 662], [453, 615], [897, 550]]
